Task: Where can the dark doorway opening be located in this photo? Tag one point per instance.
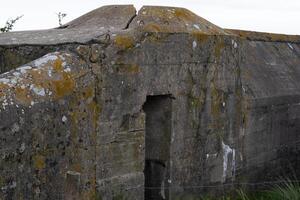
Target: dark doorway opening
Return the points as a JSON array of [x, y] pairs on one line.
[[158, 111]]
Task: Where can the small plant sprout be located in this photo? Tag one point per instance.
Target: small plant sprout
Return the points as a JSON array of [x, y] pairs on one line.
[[10, 24], [60, 16]]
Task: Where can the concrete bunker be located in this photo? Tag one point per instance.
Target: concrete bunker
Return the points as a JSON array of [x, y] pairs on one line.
[[158, 110], [72, 118]]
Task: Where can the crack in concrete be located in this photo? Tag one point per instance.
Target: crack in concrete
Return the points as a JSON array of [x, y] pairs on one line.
[[130, 21]]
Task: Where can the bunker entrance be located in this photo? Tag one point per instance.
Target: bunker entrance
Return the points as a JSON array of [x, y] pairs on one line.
[[158, 111]]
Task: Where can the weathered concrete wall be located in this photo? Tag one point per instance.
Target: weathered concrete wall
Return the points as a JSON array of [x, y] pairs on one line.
[[73, 124]]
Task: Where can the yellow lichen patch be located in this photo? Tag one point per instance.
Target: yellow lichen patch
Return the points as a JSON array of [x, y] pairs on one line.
[[216, 102], [95, 109], [88, 93], [39, 162], [37, 76], [185, 14], [64, 86], [219, 46], [57, 66], [152, 27], [271, 37], [124, 41], [200, 36], [22, 96], [3, 87], [128, 69], [60, 85], [76, 167]]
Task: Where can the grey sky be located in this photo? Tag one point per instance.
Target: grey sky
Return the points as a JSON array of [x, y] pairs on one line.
[[278, 16]]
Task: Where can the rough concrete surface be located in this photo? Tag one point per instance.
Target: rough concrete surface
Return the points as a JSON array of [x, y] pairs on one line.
[[154, 104]]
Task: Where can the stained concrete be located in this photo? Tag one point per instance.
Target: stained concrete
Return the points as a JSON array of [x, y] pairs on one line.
[[74, 120]]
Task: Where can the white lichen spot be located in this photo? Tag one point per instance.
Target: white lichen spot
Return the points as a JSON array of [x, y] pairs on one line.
[[244, 89], [15, 128], [224, 104], [162, 190], [23, 111], [24, 69], [22, 148], [64, 119], [32, 103], [4, 81], [196, 26], [234, 44], [226, 152], [38, 90], [194, 44], [14, 80], [50, 73], [290, 46], [214, 155], [4, 104], [13, 185], [45, 59], [67, 69], [10, 186], [17, 74]]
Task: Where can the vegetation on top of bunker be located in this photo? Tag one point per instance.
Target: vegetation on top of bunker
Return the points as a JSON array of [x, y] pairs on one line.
[[9, 25]]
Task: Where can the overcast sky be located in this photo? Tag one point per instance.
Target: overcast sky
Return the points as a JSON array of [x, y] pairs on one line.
[[278, 16]]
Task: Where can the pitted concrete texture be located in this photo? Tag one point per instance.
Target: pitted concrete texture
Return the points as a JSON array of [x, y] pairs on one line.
[[161, 104]]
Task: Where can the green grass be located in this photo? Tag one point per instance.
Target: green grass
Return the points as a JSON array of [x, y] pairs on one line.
[[287, 190]]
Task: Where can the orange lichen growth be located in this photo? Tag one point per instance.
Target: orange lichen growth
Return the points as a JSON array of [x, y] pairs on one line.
[[39, 162], [124, 41]]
